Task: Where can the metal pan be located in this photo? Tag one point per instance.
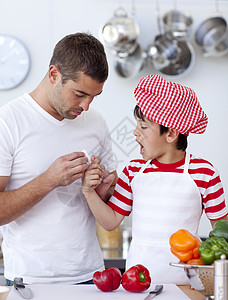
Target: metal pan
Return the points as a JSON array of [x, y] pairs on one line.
[[212, 37], [183, 64], [163, 51], [130, 66]]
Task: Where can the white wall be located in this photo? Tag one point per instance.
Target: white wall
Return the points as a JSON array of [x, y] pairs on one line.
[[41, 23]]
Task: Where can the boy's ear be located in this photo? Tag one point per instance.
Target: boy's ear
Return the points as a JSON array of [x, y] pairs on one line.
[[172, 135]]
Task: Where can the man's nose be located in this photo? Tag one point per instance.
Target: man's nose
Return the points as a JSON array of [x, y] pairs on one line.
[[85, 103]]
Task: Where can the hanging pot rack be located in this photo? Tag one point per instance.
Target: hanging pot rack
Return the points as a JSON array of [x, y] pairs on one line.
[[171, 53]]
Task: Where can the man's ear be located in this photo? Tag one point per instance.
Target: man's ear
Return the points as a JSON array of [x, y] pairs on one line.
[[172, 135], [53, 74]]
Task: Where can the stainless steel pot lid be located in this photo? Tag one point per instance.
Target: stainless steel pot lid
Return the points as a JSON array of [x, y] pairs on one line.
[[178, 23], [120, 33], [131, 65], [212, 36]]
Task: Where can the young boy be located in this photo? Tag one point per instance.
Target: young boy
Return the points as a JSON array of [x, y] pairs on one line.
[[167, 189]]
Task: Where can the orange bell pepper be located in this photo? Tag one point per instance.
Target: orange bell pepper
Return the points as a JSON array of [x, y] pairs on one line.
[[195, 261], [184, 245]]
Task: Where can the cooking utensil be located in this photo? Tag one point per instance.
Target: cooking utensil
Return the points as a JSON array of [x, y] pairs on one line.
[[157, 290], [212, 37], [163, 51], [184, 62], [120, 34], [24, 291], [201, 277], [175, 61], [170, 55], [131, 65], [178, 23]]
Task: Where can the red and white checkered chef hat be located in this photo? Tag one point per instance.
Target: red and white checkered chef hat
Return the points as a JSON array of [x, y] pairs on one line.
[[170, 104]]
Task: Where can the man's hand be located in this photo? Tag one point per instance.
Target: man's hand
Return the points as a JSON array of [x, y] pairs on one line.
[[68, 168], [64, 170]]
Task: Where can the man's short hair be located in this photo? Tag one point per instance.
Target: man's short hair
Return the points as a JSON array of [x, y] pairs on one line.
[[80, 52]]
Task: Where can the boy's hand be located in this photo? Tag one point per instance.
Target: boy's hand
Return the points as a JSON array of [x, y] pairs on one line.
[[92, 177], [97, 178], [106, 182]]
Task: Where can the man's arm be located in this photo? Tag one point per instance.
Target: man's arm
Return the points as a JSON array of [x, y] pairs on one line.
[[65, 170]]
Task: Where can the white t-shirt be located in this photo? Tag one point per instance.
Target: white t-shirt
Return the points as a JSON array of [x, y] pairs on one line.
[[55, 241]]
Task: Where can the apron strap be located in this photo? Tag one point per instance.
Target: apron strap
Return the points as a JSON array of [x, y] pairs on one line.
[[186, 164], [144, 167]]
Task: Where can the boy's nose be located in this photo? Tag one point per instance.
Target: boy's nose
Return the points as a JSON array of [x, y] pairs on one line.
[[135, 132]]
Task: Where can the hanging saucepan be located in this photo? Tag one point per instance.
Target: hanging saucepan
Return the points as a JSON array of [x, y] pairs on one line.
[[212, 37], [131, 65], [183, 64], [120, 34], [178, 23], [163, 51]]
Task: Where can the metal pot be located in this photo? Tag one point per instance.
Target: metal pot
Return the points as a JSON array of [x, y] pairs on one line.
[[178, 23], [120, 33], [131, 65], [212, 37], [184, 62], [163, 51]]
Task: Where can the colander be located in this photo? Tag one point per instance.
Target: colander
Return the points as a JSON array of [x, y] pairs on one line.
[[201, 277]]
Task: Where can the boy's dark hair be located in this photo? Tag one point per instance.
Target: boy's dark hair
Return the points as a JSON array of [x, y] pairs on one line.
[[182, 141], [80, 52]]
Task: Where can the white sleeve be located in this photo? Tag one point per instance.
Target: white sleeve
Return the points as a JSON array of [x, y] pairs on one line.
[[6, 149]]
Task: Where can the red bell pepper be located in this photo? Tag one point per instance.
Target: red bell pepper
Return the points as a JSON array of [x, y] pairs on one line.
[[136, 279], [107, 280]]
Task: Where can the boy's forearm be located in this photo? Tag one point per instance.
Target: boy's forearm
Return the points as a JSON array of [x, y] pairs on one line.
[[104, 214]]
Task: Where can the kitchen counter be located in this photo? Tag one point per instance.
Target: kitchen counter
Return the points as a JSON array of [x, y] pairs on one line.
[[192, 294], [115, 258]]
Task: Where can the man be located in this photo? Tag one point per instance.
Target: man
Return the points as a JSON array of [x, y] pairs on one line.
[[48, 230]]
